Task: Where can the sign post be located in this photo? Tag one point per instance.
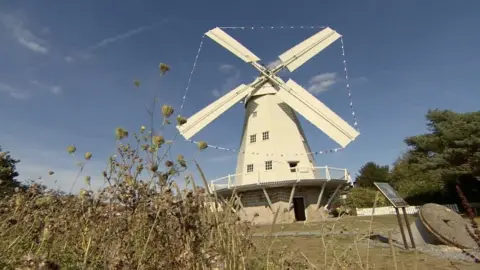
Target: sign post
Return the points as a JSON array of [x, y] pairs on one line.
[[397, 202]]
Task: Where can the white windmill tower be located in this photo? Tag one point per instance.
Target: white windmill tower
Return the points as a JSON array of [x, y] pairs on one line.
[[274, 151]]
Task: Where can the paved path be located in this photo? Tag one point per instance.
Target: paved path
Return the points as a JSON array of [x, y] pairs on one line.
[[292, 233]]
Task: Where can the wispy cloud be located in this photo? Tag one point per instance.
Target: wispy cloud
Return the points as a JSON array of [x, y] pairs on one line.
[[13, 92], [274, 63], [23, 35], [231, 81], [86, 53], [322, 82], [226, 68], [54, 89], [224, 158]]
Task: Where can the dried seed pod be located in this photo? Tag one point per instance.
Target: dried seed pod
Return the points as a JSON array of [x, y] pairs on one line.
[[71, 149], [168, 163], [50, 172], [164, 68], [121, 133], [202, 145], [181, 161], [158, 140], [167, 111], [87, 180], [181, 120]]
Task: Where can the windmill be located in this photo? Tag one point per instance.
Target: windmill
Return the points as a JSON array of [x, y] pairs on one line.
[[271, 127]]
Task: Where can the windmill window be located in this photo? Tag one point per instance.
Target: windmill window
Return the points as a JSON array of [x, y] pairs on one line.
[[250, 168], [253, 138], [293, 165], [265, 135], [268, 165]]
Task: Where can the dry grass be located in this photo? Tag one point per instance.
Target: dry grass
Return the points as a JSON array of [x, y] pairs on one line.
[[335, 250]]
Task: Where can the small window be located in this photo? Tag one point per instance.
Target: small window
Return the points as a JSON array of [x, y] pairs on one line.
[[265, 135], [268, 165], [253, 138], [254, 114], [250, 168], [293, 165]]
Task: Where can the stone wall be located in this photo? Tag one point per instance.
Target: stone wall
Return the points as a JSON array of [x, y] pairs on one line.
[[256, 207]]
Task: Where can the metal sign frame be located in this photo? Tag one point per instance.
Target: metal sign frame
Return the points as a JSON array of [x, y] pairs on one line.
[[397, 202]]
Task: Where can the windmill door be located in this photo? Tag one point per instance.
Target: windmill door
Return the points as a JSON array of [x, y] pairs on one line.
[[299, 208]]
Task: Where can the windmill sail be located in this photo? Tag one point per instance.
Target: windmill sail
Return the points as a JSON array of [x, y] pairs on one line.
[[301, 53], [204, 117], [317, 113], [232, 45]]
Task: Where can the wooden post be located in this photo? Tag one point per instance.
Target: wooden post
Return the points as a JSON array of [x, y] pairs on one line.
[[268, 199], [401, 228], [321, 195], [291, 197], [408, 227]]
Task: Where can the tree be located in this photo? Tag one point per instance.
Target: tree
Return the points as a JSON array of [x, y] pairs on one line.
[[370, 173], [8, 173], [436, 159], [452, 146]]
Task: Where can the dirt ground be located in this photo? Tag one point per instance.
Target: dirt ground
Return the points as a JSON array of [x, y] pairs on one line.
[[346, 251]]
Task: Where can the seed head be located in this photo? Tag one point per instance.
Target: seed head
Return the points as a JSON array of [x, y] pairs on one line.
[[181, 161], [71, 149], [168, 163], [181, 120], [167, 111], [142, 129], [121, 133], [50, 172], [202, 145], [87, 180], [136, 83], [164, 68], [158, 140], [88, 155], [129, 180]]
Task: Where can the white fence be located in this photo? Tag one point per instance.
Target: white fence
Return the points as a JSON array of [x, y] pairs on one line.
[[323, 173], [390, 210]]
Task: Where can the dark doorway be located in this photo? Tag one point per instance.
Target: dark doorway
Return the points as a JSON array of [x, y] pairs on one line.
[[299, 208]]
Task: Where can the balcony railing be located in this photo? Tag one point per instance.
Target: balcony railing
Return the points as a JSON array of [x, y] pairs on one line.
[[320, 173]]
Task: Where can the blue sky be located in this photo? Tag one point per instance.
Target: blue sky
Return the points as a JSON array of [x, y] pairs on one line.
[[66, 72]]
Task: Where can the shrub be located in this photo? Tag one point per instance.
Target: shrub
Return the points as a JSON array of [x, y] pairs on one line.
[[364, 198]]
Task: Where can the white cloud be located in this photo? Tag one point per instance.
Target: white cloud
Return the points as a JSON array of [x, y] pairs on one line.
[[23, 35], [224, 158], [274, 64], [69, 59], [54, 89], [229, 84], [216, 93], [322, 82], [13, 92], [85, 54], [225, 68]]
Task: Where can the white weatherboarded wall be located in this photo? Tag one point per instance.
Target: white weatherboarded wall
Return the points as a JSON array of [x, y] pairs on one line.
[[390, 210]]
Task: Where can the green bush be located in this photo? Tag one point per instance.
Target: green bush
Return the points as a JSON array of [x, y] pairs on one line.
[[364, 198]]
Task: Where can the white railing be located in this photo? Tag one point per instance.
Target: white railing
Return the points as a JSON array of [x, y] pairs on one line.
[[390, 210], [320, 173]]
